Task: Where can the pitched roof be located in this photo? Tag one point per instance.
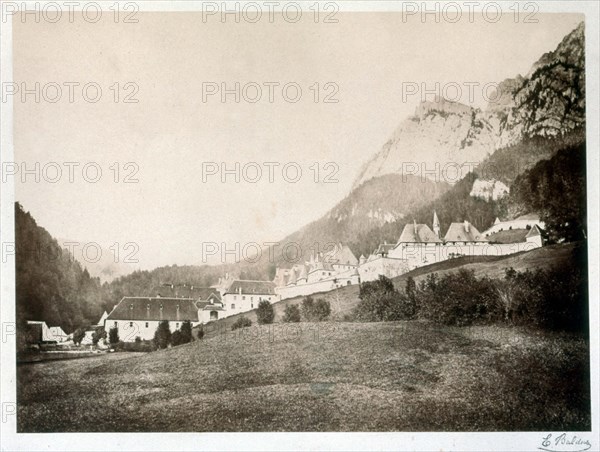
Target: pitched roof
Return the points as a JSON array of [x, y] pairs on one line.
[[251, 287], [534, 231], [508, 236], [529, 216], [149, 308], [207, 306], [303, 272], [418, 233], [57, 331], [342, 255], [292, 278], [463, 232], [280, 277], [182, 291], [207, 293]]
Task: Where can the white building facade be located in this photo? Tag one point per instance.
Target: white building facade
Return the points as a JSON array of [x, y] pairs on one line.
[[140, 316]]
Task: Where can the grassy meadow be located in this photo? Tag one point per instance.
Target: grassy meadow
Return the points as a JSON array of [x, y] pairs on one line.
[[331, 376]]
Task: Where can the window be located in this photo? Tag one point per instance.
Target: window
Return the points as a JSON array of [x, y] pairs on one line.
[[131, 324], [177, 326], [251, 298], [147, 324], [116, 325], [232, 306], [243, 297], [235, 297], [251, 305]]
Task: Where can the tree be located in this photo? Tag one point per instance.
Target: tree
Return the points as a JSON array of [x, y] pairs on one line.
[[321, 310], [162, 336], [200, 332], [291, 314], [78, 336], [411, 297], [186, 332], [242, 322], [315, 311], [459, 299], [555, 188], [380, 301], [113, 335], [99, 334], [265, 313], [176, 338], [307, 308]]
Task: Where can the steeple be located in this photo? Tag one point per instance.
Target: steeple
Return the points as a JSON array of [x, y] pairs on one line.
[[436, 225]]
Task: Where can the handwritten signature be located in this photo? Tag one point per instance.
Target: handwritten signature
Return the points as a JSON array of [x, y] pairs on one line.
[[564, 443]]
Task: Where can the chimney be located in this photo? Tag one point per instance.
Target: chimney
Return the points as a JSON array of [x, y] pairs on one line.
[[415, 224], [466, 226]]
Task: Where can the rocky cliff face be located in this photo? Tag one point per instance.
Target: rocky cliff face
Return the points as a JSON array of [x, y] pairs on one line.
[[441, 139], [549, 101], [413, 169]]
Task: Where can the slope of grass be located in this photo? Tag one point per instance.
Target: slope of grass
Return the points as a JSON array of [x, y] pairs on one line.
[[398, 376], [345, 299]]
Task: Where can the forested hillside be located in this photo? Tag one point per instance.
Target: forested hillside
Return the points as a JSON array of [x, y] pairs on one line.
[[50, 284], [54, 287], [556, 189], [553, 187]]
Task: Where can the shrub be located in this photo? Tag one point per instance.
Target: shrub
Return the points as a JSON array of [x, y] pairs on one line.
[[176, 338], [138, 339], [162, 336], [186, 332], [291, 314], [137, 346], [321, 310], [78, 336], [552, 299], [242, 322], [99, 334], [200, 332], [380, 301], [546, 298], [458, 299], [315, 311], [411, 296], [307, 308], [113, 335], [265, 313]]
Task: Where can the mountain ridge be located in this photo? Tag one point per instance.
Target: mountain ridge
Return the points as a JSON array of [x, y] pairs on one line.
[[549, 101]]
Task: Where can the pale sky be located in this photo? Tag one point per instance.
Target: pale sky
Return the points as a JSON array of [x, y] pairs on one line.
[[170, 132]]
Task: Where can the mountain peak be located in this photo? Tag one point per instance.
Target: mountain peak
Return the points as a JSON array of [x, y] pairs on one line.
[[441, 105], [549, 101]]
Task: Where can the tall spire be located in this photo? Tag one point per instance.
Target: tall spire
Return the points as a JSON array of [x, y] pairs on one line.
[[436, 225]]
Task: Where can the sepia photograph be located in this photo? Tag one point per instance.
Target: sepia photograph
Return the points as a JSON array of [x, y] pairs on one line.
[[310, 225]]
